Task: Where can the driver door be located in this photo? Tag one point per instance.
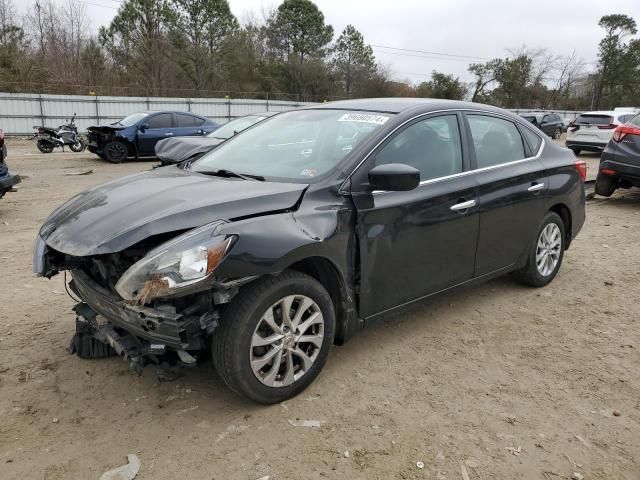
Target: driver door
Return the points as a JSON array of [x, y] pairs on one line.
[[159, 126], [418, 242]]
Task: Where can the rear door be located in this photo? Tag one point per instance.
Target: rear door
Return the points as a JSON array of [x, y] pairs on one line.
[[160, 125], [186, 125], [512, 190], [421, 241]]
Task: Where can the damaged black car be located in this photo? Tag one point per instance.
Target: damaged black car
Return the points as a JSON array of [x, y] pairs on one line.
[[303, 229]]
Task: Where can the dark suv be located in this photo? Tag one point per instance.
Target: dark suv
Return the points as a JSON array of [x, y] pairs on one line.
[[620, 160], [550, 123], [312, 224]]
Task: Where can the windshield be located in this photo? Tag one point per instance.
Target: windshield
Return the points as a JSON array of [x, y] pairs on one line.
[[228, 130], [131, 119], [294, 146]]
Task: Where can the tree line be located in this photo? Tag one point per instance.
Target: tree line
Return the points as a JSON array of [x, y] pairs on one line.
[[199, 48]]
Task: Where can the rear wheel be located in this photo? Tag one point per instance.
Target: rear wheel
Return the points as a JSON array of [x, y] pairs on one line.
[[605, 185], [45, 146], [274, 337], [115, 152], [545, 257]]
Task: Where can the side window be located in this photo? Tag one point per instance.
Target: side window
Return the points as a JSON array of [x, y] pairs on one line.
[[161, 120], [432, 146], [547, 118], [197, 121], [496, 141], [183, 120], [533, 140]]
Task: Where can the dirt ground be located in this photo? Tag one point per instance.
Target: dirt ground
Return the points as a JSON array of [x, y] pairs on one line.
[[494, 382]]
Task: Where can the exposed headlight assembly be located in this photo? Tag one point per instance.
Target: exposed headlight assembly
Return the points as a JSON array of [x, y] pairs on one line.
[[179, 264]]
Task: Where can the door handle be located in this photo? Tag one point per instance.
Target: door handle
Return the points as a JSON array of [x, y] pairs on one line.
[[460, 207], [536, 188], [168, 134]]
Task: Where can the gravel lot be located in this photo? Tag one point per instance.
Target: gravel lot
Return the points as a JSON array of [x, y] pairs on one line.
[[498, 381]]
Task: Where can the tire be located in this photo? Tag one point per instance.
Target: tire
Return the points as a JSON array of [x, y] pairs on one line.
[[45, 146], [78, 147], [557, 133], [575, 150], [605, 185], [531, 274], [233, 344], [115, 152]]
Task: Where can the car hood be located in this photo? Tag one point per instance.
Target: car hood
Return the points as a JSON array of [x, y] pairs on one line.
[[174, 150], [120, 213]]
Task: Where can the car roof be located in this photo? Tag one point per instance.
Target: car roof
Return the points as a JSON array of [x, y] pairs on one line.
[[602, 112], [149, 112], [399, 105]]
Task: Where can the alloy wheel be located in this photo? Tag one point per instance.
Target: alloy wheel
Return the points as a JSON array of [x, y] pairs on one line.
[[287, 341], [548, 249]]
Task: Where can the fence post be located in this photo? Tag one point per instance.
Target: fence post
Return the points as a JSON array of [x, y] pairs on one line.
[[189, 104], [97, 110], [148, 104], [267, 101], [229, 108], [41, 110]]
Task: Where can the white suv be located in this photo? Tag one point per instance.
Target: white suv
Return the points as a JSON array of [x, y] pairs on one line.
[[592, 130]]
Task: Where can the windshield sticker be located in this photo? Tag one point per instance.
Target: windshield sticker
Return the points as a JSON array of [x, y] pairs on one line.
[[363, 118], [309, 172]]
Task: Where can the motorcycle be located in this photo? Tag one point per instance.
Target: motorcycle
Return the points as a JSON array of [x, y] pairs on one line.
[[67, 134]]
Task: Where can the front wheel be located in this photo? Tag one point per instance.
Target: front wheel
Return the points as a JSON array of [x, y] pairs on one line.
[[45, 146], [545, 257], [116, 152], [274, 337], [78, 146]]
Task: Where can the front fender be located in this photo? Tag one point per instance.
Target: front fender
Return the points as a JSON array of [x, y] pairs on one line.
[[271, 243]]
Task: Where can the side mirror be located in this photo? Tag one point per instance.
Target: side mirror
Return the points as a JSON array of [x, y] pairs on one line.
[[143, 127], [395, 177]]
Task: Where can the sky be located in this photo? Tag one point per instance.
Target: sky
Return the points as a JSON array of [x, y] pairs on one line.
[[466, 30]]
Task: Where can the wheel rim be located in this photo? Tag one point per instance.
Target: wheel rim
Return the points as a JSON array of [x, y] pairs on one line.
[[287, 341], [548, 249], [116, 150]]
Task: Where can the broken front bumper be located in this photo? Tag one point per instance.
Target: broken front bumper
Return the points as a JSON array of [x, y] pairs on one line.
[[175, 330]]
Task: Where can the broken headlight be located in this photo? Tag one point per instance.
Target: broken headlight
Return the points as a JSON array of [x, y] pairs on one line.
[[175, 265]]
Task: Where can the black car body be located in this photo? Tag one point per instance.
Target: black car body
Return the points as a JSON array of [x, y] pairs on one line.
[[550, 123], [7, 179], [175, 150], [136, 135], [620, 160], [333, 216]]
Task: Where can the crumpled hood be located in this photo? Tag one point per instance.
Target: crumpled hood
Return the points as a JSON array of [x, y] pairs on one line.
[[106, 128], [174, 150], [113, 216]]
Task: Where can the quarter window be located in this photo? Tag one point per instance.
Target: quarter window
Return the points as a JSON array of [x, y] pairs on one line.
[[184, 121], [496, 141], [162, 120], [533, 140], [432, 146]]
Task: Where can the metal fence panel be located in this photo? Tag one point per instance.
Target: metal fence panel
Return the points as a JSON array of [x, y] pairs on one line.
[[19, 112]]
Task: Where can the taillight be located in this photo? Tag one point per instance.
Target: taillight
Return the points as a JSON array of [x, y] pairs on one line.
[[624, 130], [581, 168], [611, 126], [607, 171]]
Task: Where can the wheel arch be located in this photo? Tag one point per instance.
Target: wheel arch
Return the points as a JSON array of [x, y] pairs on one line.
[[329, 276], [565, 214]]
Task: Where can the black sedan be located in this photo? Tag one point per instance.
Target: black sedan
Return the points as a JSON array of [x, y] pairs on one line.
[[620, 160], [305, 228], [8, 180], [176, 150], [550, 123]]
